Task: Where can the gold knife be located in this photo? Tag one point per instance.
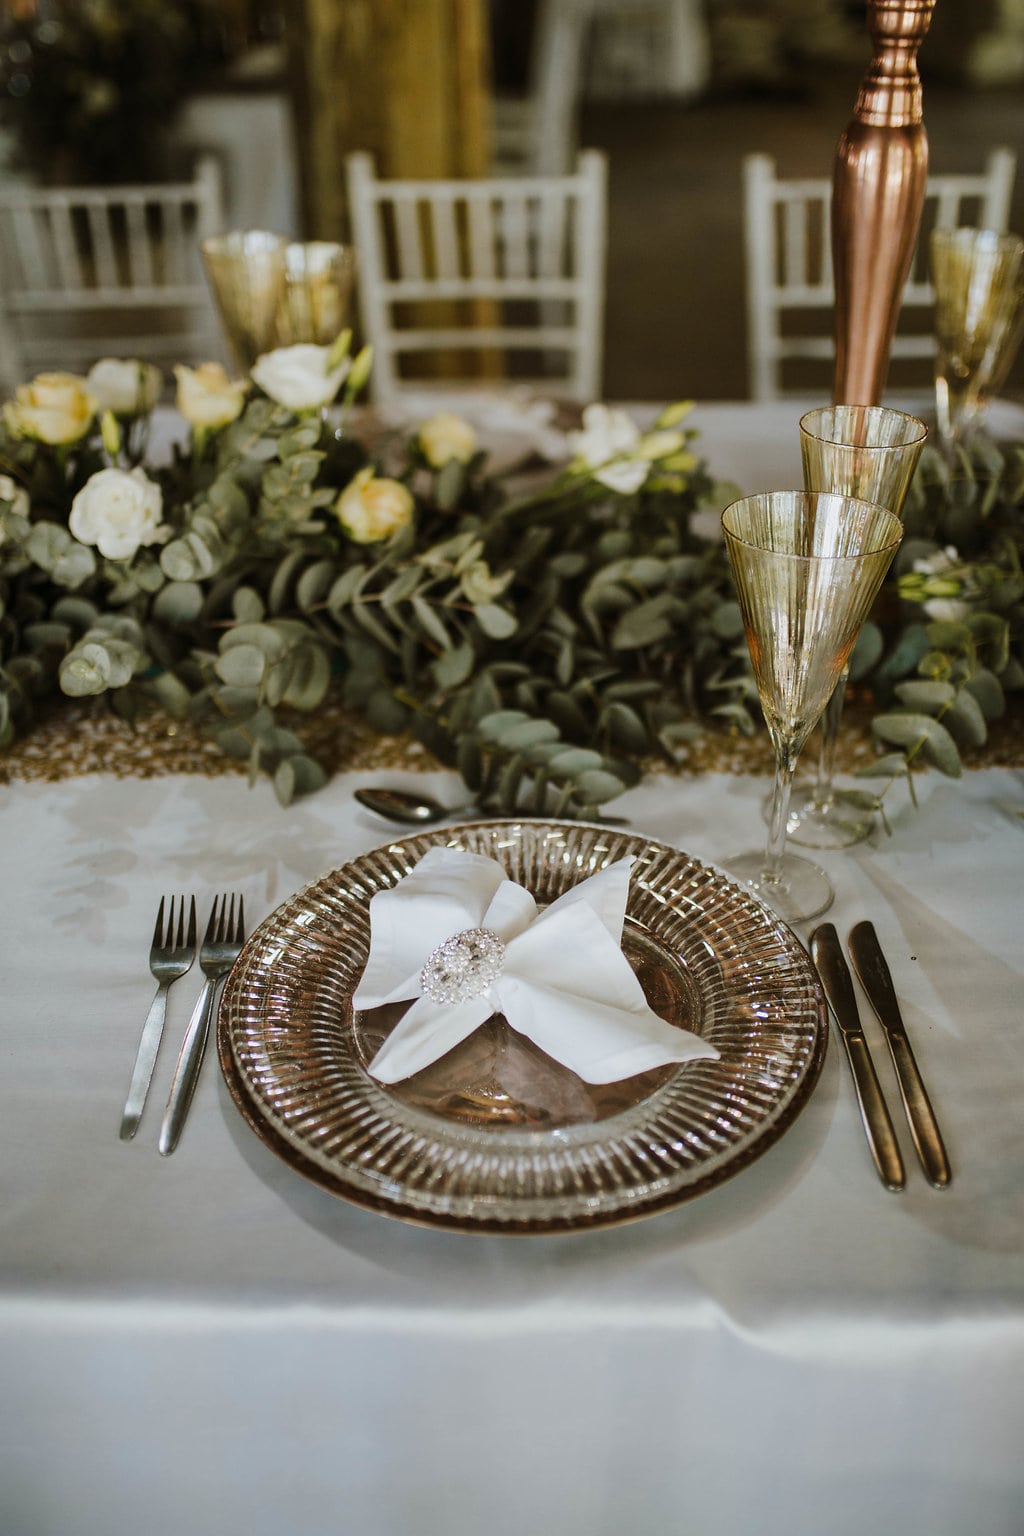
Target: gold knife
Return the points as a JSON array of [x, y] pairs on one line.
[[870, 965], [829, 962]]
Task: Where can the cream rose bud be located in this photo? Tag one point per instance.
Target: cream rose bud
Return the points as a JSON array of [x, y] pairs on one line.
[[370, 509], [54, 408], [127, 387], [118, 510], [299, 377], [207, 397], [445, 437]]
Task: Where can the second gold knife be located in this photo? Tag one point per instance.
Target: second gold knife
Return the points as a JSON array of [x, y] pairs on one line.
[[870, 965]]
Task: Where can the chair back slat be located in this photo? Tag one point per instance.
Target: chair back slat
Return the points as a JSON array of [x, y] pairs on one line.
[[788, 261], [482, 234], [102, 244], [70, 274]]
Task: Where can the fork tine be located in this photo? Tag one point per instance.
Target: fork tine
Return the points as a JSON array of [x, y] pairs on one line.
[[226, 916], [158, 931], [191, 940], [240, 930], [211, 928], [180, 940]]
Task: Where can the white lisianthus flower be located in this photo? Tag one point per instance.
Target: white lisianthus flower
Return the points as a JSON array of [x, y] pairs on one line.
[[127, 387], [118, 510], [941, 560], [299, 377], [950, 610], [445, 437], [607, 447], [371, 508], [55, 408], [207, 398]]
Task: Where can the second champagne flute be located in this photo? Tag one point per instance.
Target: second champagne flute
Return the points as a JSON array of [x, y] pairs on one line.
[[807, 568], [871, 452]]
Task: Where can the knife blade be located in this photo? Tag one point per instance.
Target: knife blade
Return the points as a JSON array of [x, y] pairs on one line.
[[830, 964], [870, 964]]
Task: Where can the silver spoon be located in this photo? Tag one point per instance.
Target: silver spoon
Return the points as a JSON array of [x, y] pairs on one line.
[[421, 810]]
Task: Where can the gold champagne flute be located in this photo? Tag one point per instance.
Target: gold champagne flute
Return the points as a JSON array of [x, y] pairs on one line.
[[978, 276], [869, 452], [807, 566]]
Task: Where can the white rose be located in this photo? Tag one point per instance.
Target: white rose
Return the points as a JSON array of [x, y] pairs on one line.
[[370, 509], [127, 387], [118, 510], [607, 446], [299, 377], [445, 437], [15, 495], [55, 408], [207, 397]]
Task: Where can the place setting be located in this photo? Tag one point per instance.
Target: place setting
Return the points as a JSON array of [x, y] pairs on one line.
[[528, 1026]]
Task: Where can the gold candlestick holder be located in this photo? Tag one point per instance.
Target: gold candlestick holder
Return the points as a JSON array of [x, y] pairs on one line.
[[881, 168]]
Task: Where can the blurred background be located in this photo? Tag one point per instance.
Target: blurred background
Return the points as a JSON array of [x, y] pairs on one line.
[[675, 92]]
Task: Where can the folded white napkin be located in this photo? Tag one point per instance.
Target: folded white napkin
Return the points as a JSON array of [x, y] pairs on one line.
[[466, 942]]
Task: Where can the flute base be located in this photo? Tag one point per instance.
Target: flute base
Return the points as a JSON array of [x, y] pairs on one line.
[[800, 891], [832, 823]]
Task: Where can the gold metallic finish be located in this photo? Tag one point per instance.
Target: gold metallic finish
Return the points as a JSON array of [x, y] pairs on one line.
[[878, 191]]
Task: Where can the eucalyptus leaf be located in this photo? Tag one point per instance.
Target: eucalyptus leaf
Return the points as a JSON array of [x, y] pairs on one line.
[[921, 733], [922, 694], [965, 722], [179, 603], [452, 668], [987, 689], [248, 606], [496, 622], [890, 765], [242, 666], [594, 786], [296, 776]]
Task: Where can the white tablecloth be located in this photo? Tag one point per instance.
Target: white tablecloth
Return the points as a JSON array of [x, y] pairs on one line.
[[208, 1343]]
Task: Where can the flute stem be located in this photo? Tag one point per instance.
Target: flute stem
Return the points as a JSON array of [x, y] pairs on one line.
[[829, 731]]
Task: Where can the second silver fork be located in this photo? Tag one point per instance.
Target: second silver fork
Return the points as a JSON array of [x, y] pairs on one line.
[[222, 944]]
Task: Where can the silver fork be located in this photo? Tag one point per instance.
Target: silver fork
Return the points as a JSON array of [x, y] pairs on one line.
[[222, 944], [169, 957]]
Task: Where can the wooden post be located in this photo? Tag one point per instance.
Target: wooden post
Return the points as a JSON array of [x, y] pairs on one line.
[[408, 80]]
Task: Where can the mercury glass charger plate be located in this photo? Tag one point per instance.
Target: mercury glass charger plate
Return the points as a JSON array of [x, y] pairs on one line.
[[495, 1136]]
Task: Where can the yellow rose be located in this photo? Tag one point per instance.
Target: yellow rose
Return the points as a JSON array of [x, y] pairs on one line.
[[55, 408], [370, 509], [446, 437], [207, 397]]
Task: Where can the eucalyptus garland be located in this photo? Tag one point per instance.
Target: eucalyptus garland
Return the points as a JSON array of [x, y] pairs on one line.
[[547, 643]]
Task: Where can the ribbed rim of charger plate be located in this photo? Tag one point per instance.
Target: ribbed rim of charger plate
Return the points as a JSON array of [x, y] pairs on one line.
[[287, 1045]]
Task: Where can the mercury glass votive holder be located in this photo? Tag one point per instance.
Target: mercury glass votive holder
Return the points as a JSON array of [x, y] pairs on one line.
[[246, 270], [317, 295]]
